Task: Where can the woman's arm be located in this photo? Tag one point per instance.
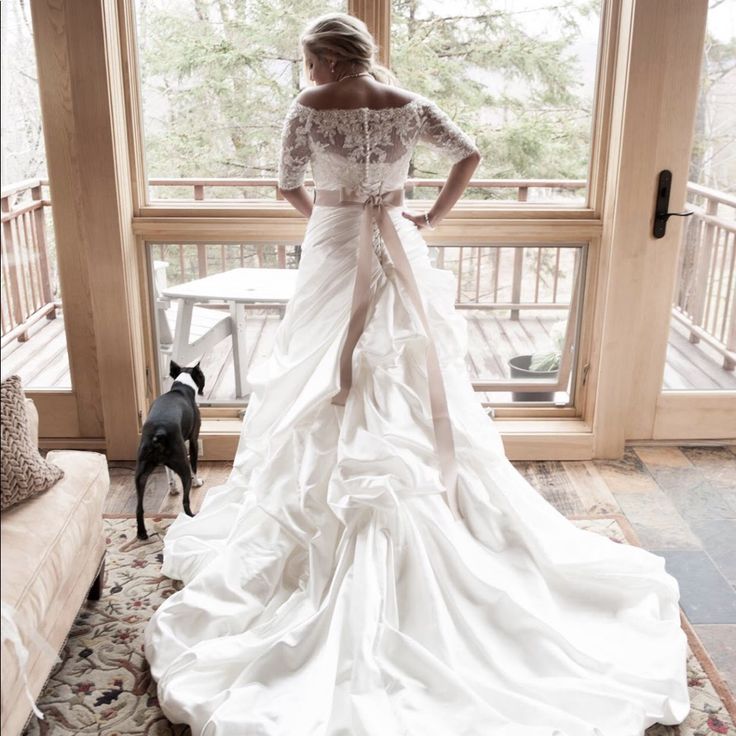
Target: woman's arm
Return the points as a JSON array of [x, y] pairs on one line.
[[455, 184], [299, 199]]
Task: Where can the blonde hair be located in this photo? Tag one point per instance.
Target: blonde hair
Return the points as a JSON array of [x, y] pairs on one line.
[[348, 39]]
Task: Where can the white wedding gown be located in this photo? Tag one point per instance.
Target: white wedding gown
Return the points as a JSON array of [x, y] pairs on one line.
[[329, 590]]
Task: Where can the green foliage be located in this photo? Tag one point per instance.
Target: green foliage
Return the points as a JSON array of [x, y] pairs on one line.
[[550, 361], [517, 94], [545, 362], [217, 77]]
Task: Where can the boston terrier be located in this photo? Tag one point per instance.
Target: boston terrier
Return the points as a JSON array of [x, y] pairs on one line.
[[173, 419]]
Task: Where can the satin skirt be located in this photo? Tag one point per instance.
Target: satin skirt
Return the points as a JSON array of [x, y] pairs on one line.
[[328, 589]]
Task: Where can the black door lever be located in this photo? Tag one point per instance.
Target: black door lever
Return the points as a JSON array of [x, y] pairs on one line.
[[663, 202]]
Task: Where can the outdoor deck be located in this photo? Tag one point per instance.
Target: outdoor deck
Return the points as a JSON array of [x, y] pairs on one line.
[[516, 298], [42, 360]]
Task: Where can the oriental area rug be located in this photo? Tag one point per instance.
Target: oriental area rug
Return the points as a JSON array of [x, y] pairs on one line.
[[102, 684]]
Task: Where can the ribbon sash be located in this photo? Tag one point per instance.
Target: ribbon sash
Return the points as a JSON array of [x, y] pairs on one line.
[[374, 210]]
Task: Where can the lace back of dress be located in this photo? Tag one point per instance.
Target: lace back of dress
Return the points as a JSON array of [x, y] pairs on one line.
[[364, 149]]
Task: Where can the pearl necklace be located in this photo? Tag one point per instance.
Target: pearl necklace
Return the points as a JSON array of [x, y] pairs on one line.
[[359, 74]]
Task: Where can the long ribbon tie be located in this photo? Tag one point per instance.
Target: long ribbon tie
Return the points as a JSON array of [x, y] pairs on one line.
[[375, 210]]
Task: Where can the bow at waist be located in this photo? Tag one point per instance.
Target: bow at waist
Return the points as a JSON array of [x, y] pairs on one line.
[[374, 210], [343, 196]]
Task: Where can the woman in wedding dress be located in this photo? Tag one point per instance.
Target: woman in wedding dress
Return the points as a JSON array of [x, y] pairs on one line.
[[374, 565]]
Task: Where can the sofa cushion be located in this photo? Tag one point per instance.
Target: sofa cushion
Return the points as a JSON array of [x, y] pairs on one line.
[[52, 547], [32, 413], [23, 472]]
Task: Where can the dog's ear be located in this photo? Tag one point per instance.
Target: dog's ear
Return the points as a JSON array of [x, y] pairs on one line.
[[198, 376], [174, 369]]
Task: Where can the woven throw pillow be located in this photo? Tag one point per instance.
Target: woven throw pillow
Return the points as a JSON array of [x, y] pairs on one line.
[[24, 472]]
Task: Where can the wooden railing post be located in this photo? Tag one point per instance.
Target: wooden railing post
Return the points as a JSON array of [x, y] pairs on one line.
[[687, 260], [728, 363], [701, 270], [39, 223], [201, 247], [10, 256], [516, 280], [201, 260], [522, 196]]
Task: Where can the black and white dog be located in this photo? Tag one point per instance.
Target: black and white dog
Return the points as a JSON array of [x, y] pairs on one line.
[[173, 419]]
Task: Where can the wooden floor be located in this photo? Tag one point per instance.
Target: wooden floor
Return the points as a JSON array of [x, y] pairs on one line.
[[680, 501], [42, 361]]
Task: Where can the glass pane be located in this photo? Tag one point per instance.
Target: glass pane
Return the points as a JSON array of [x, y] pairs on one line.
[[701, 348], [232, 290], [33, 336], [522, 305], [519, 76], [216, 80]]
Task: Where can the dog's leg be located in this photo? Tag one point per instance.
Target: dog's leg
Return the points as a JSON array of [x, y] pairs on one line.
[[171, 480], [180, 465], [142, 472], [193, 456]]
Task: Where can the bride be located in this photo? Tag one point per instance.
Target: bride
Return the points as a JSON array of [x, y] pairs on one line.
[[374, 565]]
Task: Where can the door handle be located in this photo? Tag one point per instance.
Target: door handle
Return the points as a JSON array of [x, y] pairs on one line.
[[661, 215]]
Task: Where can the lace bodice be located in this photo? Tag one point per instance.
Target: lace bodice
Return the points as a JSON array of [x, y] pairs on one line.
[[364, 149]]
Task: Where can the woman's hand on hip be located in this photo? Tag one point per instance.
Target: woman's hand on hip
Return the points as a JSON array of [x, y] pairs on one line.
[[421, 221]]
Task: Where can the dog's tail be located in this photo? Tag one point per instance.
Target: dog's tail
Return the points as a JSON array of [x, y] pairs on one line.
[[159, 438]]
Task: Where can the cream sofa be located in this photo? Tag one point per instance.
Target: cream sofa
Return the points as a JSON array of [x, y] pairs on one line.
[[52, 558]]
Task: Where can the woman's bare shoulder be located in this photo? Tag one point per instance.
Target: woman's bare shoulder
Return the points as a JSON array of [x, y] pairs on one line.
[[376, 96]]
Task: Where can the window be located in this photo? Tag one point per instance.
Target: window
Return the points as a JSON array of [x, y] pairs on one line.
[[216, 79], [519, 76]]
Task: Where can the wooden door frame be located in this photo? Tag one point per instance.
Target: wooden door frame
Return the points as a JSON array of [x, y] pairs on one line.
[[654, 115], [81, 92]]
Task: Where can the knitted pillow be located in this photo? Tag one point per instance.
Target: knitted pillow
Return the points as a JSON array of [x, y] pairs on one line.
[[24, 473]]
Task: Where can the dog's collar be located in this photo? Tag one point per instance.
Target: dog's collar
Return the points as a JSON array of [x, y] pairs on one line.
[[187, 380]]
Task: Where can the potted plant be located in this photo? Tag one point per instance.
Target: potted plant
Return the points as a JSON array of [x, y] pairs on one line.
[[539, 366]]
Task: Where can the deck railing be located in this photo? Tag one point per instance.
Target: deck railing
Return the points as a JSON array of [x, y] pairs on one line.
[[705, 299], [27, 292]]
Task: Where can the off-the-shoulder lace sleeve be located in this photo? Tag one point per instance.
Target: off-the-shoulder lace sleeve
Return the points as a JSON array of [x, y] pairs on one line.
[[295, 151], [441, 133]]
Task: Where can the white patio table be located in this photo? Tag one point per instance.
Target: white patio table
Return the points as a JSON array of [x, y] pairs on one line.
[[239, 288]]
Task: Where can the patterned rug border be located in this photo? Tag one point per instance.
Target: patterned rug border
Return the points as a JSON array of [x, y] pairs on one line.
[[696, 645]]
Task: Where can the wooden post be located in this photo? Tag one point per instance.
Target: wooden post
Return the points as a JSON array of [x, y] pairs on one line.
[[377, 16], [11, 258], [728, 363], [81, 91], [201, 247], [702, 263], [33, 275], [516, 280], [43, 252], [522, 196]]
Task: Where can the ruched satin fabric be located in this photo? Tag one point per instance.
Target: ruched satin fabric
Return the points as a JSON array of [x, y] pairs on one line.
[[329, 591]]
